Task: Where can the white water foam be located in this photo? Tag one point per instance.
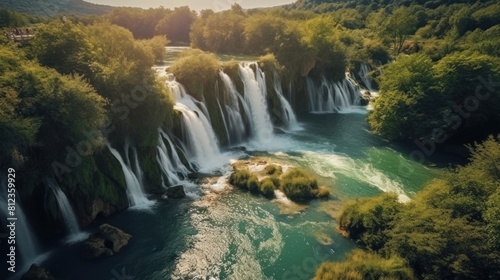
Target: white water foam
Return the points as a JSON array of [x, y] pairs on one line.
[[327, 165]]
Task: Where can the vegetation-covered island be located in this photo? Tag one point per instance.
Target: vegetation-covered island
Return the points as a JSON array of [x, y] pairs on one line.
[[166, 142]]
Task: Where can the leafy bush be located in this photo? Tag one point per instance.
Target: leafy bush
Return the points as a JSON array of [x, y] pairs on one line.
[[409, 105], [267, 187], [273, 169], [156, 45], [361, 265], [367, 220], [297, 185], [253, 184], [196, 70], [276, 181], [239, 178], [64, 47]]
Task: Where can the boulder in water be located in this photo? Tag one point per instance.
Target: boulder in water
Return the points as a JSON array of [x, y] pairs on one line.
[[107, 241], [365, 99], [37, 273], [176, 192]]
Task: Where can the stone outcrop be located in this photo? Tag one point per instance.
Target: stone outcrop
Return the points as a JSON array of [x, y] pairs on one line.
[[106, 242], [176, 192], [37, 273]]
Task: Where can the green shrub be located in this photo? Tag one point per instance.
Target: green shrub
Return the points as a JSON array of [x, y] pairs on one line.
[[267, 187], [297, 188], [253, 184], [367, 220], [297, 185], [276, 181], [197, 71], [321, 192], [239, 178], [273, 169], [362, 265], [157, 46]]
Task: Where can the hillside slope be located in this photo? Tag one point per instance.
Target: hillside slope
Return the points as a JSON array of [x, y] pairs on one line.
[[53, 8], [331, 5]]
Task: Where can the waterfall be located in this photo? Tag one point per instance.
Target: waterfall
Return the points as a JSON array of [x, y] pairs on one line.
[[199, 134], [235, 108], [64, 207], [26, 242], [181, 96], [171, 164], [330, 97], [135, 193], [255, 96], [287, 111], [364, 74]]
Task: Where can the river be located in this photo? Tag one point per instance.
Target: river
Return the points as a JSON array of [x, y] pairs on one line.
[[223, 233]]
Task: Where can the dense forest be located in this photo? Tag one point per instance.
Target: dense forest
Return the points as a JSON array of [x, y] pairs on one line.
[[436, 64], [53, 8]]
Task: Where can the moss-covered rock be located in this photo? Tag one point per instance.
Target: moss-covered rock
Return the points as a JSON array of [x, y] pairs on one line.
[[151, 169], [296, 184]]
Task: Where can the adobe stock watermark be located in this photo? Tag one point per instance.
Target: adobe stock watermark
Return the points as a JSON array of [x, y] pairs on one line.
[[454, 118], [120, 108], [309, 264], [222, 5]]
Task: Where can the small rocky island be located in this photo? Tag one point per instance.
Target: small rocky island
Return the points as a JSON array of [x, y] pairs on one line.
[[295, 183]]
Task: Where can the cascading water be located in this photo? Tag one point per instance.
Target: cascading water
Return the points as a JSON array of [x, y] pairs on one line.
[[330, 97], [26, 242], [67, 213], [255, 96], [199, 134], [135, 193], [364, 74], [233, 118], [171, 164], [287, 111]]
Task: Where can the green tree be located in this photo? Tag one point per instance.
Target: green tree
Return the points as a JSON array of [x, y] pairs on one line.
[[176, 25], [196, 69], [122, 69], [368, 221], [64, 47], [156, 46], [409, 106], [322, 37], [462, 76], [262, 33], [40, 103], [399, 25]]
